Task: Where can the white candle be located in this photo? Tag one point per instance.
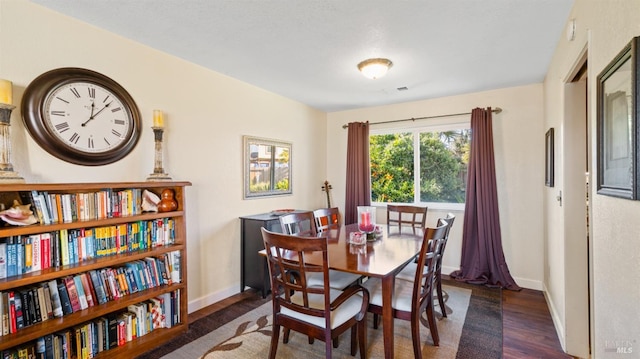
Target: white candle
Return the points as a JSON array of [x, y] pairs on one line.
[[158, 119], [6, 92]]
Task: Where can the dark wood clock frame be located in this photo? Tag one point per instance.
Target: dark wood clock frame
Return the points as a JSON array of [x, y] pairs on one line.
[[33, 115]]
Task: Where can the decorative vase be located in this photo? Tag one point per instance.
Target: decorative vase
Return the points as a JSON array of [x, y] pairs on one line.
[[167, 203]]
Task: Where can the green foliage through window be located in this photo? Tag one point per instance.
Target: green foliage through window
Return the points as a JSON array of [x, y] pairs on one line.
[[441, 161]]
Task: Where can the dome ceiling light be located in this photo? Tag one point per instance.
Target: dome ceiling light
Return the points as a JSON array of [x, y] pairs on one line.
[[375, 68]]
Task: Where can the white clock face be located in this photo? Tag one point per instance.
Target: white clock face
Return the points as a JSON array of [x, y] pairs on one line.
[[87, 117]]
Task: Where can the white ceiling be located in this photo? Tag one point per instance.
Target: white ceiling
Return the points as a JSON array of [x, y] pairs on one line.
[[307, 50]]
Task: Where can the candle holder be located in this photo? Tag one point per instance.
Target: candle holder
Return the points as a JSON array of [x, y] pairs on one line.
[[7, 174], [158, 172], [367, 220]]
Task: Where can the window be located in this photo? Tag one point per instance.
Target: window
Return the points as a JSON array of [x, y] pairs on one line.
[[425, 165]]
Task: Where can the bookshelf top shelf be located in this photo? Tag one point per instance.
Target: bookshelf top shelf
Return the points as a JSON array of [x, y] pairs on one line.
[[89, 185]]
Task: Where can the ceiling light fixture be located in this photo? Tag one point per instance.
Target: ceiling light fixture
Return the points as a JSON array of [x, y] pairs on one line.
[[375, 68]]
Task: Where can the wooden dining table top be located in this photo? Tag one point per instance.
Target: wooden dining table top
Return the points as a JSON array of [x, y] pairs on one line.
[[385, 255]]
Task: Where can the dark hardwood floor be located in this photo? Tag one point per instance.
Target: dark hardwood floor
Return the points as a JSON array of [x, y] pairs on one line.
[[527, 328]]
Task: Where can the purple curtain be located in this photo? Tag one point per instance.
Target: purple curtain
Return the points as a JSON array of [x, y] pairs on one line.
[[482, 260], [358, 184]]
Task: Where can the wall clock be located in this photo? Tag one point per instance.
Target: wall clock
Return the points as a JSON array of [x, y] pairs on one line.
[[81, 116]]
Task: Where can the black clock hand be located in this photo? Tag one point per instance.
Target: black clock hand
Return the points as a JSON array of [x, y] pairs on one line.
[[96, 114]]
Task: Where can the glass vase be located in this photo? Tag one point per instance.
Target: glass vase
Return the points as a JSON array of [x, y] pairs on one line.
[[367, 219]]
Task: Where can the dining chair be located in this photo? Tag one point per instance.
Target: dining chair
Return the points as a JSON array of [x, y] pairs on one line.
[[304, 224], [327, 218], [410, 299], [405, 216], [408, 272], [298, 223], [319, 312], [437, 276]]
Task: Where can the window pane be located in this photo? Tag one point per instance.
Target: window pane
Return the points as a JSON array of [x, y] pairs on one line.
[[391, 158], [281, 173], [260, 167], [444, 158]]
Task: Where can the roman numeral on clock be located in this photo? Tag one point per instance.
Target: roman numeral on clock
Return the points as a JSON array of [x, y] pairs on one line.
[[92, 92], [90, 142], [58, 113], [61, 127], [116, 133], [107, 142], [75, 92], [63, 100], [116, 109], [74, 138], [118, 122]]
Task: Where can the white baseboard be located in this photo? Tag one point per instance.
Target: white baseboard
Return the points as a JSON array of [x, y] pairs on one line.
[[522, 282], [555, 317], [199, 303]]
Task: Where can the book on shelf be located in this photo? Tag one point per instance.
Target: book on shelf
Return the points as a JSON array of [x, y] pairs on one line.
[[44, 312], [28, 254], [47, 299], [20, 246], [45, 248], [13, 323], [56, 303], [73, 293], [18, 311], [112, 333], [12, 257], [88, 289], [98, 286], [3, 260], [41, 207], [36, 252], [82, 297], [64, 247], [5, 313], [65, 300]]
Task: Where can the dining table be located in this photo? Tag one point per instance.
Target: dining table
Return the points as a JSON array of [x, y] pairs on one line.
[[382, 256]]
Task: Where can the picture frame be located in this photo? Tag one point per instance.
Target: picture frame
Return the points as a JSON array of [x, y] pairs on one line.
[[617, 125], [267, 167], [549, 161]]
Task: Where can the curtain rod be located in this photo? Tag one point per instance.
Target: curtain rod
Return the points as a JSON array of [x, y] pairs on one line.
[[495, 110]]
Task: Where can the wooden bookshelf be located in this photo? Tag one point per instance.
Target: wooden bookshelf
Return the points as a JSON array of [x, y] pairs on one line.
[[139, 345]]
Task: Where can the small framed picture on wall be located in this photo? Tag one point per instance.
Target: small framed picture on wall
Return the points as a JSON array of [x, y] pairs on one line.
[[548, 158]]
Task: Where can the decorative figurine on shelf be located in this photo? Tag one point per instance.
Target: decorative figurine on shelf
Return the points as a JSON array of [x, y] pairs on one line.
[[150, 201], [18, 215], [167, 203]]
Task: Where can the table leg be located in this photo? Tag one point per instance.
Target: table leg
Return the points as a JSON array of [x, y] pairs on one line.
[[388, 283]]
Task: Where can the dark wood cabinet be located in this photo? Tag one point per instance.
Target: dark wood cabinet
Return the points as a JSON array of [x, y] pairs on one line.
[[253, 271]]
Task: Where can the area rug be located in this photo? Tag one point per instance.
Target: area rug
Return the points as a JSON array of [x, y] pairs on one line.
[[472, 329]]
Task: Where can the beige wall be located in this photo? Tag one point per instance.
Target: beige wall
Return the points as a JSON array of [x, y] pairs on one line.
[[206, 115], [603, 28], [519, 168]]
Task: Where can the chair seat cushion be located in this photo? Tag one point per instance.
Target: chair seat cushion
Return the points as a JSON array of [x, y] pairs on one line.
[[337, 279], [402, 293], [347, 310], [408, 272]]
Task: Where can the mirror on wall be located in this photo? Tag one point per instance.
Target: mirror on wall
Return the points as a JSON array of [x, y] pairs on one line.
[[267, 167]]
